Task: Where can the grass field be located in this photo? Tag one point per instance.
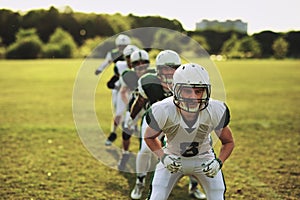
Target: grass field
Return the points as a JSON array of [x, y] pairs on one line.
[[43, 157]]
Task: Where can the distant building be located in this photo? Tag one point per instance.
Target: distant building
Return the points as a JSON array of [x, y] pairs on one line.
[[228, 25]]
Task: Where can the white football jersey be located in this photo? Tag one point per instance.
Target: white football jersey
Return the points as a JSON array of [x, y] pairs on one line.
[[183, 139], [121, 66]]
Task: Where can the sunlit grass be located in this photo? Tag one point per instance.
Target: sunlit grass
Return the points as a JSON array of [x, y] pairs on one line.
[[42, 156]]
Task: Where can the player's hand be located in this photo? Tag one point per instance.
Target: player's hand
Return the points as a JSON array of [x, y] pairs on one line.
[[130, 122], [97, 72], [212, 167], [171, 162]]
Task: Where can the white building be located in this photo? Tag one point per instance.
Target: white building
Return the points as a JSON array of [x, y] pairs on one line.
[[228, 25]]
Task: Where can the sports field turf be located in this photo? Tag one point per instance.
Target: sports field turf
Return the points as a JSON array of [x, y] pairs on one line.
[[43, 157]]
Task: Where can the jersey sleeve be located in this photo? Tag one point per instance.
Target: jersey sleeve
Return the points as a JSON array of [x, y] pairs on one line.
[[223, 116], [150, 88], [108, 57], [156, 116], [129, 79], [106, 62], [141, 89]]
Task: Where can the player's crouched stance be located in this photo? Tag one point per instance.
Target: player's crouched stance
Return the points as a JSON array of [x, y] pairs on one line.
[[187, 119]]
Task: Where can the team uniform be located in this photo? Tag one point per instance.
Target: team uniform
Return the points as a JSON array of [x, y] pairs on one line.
[[191, 142], [150, 88], [129, 79], [153, 87], [114, 56], [115, 85], [118, 103]]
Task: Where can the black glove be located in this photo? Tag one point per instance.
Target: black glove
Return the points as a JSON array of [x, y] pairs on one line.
[[111, 83]]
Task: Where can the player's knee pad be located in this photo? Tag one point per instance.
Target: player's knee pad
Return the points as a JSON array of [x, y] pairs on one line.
[[112, 136], [126, 134]]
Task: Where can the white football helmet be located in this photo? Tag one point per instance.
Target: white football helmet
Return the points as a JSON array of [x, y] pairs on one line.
[[122, 40], [167, 62], [140, 61], [129, 49], [193, 76], [168, 58]]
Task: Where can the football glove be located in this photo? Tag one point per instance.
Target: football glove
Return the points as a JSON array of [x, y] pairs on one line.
[[128, 121], [97, 72], [212, 167], [171, 162]]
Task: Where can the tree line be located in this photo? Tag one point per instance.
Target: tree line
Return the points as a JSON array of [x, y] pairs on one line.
[[64, 33]]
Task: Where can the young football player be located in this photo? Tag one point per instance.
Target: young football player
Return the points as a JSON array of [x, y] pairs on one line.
[[187, 119], [153, 87]]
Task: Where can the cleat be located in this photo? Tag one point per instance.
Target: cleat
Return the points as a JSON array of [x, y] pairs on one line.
[[196, 193], [136, 193], [123, 161], [108, 142], [112, 137]]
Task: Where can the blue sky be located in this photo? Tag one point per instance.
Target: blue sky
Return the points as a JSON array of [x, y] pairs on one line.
[[278, 16]]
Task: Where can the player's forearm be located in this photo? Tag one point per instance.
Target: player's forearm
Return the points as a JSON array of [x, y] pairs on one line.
[[225, 151], [151, 139], [226, 138], [124, 94], [103, 65], [155, 146], [137, 106]]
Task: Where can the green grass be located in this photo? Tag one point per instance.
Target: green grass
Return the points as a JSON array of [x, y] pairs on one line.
[[42, 156]]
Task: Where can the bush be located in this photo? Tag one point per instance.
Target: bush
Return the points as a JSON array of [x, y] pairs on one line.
[[27, 46], [52, 51], [27, 49], [249, 47], [88, 46], [280, 48], [60, 45], [2, 52]]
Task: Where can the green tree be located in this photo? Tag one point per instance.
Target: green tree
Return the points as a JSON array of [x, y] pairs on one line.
[[2, 49], [249, 47], [44, 21], [231, 47], [166, 39], [266, 39], [60, 45], [27, 46], [280, 48], [118, 22], [202, 41], [10, 23], [293, 38], [88, 46]]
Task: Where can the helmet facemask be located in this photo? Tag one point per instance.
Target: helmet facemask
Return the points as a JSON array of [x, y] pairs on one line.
[[140, 62], [128, 50], [165, 74], [140, 67], [191, 104]]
